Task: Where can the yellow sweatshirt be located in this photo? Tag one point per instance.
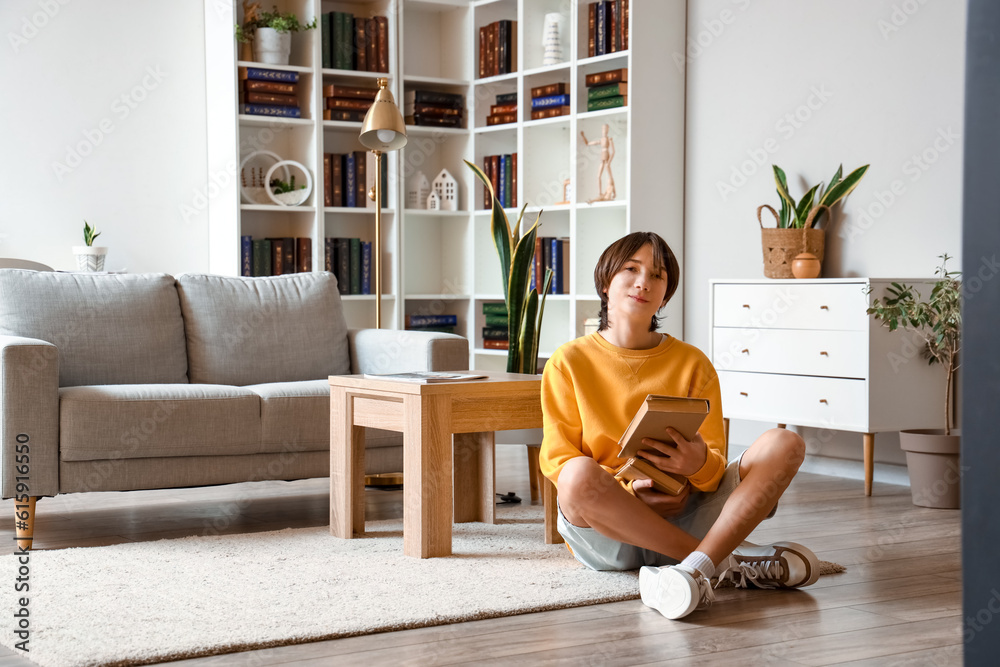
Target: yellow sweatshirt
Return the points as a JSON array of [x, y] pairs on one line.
[[591, 389]]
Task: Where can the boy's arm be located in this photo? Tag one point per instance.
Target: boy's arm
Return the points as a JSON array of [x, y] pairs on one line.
[[712, 430]]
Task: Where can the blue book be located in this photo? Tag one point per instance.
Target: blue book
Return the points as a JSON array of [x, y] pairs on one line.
[[366, 267], [246, 256], [350, 181], [601, 40], [549, 101], [431, 320], [502, 183], [355, 266], [555, 263], [270, 110], [261, 74]]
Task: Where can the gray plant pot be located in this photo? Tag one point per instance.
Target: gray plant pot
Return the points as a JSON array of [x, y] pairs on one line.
[[272, 47], [933, 462]]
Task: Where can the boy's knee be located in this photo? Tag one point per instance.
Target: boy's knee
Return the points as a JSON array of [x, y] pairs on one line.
[[789, 444], [581, 480]]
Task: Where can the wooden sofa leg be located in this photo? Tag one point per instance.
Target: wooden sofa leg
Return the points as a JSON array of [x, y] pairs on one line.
[[24, 522]]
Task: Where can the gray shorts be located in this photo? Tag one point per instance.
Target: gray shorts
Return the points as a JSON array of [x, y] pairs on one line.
[[600, 552]]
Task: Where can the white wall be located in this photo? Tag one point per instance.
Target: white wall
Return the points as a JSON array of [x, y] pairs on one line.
[[102, 105], [807, 86]]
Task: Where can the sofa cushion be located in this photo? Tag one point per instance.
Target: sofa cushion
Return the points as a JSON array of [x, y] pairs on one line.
[[110, 329], [162, 420], [243, 331], [295, 417]]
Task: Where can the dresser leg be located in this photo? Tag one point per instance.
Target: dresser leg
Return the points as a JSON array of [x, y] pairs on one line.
[[869, 443]]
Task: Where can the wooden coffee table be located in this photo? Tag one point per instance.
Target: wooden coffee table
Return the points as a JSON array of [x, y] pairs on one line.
[[428, 415]]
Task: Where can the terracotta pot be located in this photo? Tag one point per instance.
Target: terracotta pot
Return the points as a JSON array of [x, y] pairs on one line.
[[932, 459], [805, 266]]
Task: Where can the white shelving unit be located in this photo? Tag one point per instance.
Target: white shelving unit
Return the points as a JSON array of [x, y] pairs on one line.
[[438, 262]]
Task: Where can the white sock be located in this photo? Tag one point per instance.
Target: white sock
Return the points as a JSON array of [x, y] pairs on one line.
[[699, 561]]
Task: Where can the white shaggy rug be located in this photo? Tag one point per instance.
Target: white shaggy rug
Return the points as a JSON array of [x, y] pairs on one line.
[[153, 601]]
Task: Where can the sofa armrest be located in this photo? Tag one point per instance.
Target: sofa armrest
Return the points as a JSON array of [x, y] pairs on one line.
[[396, 351], [29, 415]]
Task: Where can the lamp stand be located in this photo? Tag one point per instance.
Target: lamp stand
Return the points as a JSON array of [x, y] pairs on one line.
[[376, 195]]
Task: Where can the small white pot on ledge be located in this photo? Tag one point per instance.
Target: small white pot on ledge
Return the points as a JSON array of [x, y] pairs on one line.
[[90, 258]]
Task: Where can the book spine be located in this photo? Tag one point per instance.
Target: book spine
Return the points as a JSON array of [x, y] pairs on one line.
[[611, 76], [456, 100], [503, 46], [495, 308], [346, 40], [482, 52], [360, 179], [260, 74], [564, 251], [342, 259], [539, 265], [592, 30], [503, 108], [360, 45], [355, 250], [502, 182], [359, 92], [612, 26], [549, 112], [495, 178], [508, 182], [487, 203], [607, 103], [496, 321], [439, 121], [555, 263], [350, 103], [325, 40], [513, 180], [371, 44], [351, 115], [246, 256], [506, 98], [601, 41], [495, 345], [327, 179], [265, 258], [289, 262], [303, 254], [501, 118], [271, 98], [329, 254], [269, 87], [350, 184], [611, 90], [277, 257], [495, 333], [550, 101], [337, 178], [435, 321], [625, 19], [366, 267], [551, 89], [270, 110], [382, 26]]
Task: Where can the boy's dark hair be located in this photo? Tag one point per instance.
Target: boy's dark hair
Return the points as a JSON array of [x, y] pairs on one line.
[[614, 257]]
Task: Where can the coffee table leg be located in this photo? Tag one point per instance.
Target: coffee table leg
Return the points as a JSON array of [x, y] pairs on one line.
[[427, 470], [347, 467], [475, 477]]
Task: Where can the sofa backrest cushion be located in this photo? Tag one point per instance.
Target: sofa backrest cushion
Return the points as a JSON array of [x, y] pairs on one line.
[[109, 328], [243, 331]]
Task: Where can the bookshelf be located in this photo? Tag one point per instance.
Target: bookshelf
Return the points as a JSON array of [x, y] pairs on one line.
[[444, 262]]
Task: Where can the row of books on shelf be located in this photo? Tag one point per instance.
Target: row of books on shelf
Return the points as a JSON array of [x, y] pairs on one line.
[[443, 323], [348, 103], [502, 172], [494, 329], [607, 90], [355, 42], [550, 101], [347, 177], [350, 259], [498, 48], [433, 108], [607, 27], [551, 253], [275, 256], [504, 111], [268, 92]]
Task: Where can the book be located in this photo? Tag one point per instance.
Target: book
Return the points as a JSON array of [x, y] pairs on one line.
[[246, 256], [382, 43], [496, 345], [253, 86], [550, 101], [276, 99], [635, 468], [350, 182], [433, 97], [366, 267], [261, 74], [506, 98], [607, 103], [342, 263], [349, 115], [495, 308], [611, 76], [355, 272], [361, 44], [610, 90], [303, 254], [549, 112], [433, 320], [426, 377], [551, 89], [358, 92], [269, 110], [656, 413], [501, 118], [350, 103]]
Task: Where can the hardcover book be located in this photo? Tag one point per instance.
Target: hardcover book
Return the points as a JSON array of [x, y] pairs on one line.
[[269, 110], [611, 76], [607, 103], [656, 413], [357, 92], [246, 256], [261, 74], [414, 321], [635, 468], [610, 90], [366, 267], [252, 86], [551, 89], [426, 377], [550, 101]]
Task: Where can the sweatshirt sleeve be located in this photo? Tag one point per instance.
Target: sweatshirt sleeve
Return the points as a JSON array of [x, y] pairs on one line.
[[562, 425], [713, 431]]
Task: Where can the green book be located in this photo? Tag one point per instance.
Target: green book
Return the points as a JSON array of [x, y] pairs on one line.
[[610, 90], [495, 308], [496, 320], [261, 257], [606, 103], [355, 266], [325, 27]]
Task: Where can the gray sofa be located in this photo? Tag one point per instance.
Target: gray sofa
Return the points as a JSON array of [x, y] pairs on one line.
[[144, 381]]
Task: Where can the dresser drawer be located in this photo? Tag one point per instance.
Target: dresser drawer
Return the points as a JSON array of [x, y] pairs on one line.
[[791, 351], [795, 399], [787, 305]]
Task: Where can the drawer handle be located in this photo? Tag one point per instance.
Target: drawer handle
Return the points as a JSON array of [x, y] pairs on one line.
[[745, 351], [747, 306], [824, 401], [743, 393], [824, 353], [824, 307]]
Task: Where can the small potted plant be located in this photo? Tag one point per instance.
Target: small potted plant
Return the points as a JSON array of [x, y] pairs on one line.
[[88, 256], [271, 33], [931, 454], [797, 230]]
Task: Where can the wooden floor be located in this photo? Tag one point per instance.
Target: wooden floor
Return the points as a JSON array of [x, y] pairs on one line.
[[898, 603]]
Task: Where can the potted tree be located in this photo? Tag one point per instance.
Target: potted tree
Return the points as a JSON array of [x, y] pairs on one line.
[[271, 33], [88, 256], [932, 455]]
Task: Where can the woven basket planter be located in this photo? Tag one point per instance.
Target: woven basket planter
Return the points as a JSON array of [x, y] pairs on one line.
[[780, 246]]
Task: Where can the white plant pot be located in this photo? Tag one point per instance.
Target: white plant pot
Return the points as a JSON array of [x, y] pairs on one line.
[[272, 47], [90, 258]]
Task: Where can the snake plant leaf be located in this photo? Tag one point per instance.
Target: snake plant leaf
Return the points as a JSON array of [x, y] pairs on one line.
[[499, 226], [844, 187], [833, 181], [517, 290], [527, 338], [782, 183], [805, 205], [517, 225], [546, 286]]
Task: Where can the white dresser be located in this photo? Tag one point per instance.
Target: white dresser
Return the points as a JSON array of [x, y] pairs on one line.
[[805, 352]]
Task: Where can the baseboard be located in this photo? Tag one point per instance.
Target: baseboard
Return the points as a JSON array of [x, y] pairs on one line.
[[885, 473]]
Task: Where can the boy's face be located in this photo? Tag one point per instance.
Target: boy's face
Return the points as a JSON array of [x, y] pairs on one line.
[[637, 291]]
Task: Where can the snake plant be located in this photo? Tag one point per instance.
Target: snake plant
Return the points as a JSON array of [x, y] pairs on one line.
[[816, 201]]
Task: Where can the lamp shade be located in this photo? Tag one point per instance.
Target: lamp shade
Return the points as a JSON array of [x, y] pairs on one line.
[[383, 128]]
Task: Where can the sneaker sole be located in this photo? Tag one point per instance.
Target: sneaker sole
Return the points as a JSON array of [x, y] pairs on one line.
[[811, 562], [666, 594]]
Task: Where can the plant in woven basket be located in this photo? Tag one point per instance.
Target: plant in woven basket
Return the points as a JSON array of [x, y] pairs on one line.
[[806, 213], [524, 307], [938, 320]]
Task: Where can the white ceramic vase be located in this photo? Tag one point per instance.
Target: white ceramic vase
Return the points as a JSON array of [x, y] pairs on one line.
[[90, 258], [272, 47], [552, 39]]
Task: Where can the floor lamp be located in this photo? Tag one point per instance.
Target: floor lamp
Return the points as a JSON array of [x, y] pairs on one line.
[[381, 131]]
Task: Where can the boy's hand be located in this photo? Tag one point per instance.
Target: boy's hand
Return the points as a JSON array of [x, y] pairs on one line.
[[681, 456], [663, 504]]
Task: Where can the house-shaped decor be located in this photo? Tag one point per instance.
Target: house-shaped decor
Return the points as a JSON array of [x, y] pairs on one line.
[[416, 193], [446, 187], [433, 202]]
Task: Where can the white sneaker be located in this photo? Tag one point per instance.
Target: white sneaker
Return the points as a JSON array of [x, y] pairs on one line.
[[778, 565], [675, 590]]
